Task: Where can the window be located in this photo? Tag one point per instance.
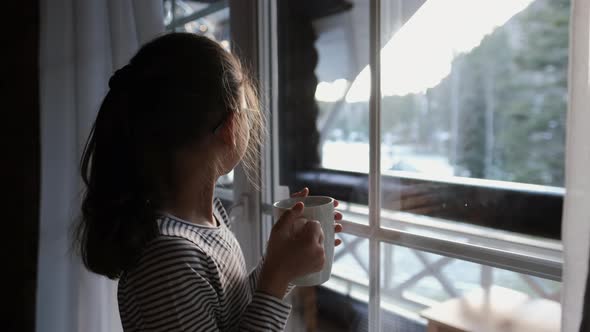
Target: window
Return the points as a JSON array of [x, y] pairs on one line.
[[207, 18], [440, 125]]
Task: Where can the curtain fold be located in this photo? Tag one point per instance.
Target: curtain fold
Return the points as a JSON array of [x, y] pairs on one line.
[[576, 217], [81, 44]]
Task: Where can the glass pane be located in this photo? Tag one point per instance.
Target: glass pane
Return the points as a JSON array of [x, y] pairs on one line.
[[210, 19], [323, 138], [351, 262], [419, 290], [474, 98]]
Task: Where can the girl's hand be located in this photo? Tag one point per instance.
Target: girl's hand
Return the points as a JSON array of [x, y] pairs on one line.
[[291, 253], [337, 215]]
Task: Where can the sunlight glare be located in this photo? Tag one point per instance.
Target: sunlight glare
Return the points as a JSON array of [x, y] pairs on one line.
[[331, 91], [420, 54]]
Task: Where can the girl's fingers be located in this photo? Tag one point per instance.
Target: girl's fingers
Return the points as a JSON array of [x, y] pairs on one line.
[[336, 203], [289, 216], [337, 228], [337, 216], [337, 242], [302, 193]]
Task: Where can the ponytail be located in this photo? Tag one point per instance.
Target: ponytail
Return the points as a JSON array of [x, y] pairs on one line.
[[118, 217]]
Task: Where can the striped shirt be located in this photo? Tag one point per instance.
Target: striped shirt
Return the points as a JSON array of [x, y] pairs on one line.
[[194, 278]]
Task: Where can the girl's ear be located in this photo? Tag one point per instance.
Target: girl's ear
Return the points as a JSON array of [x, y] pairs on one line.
[[225, 132]]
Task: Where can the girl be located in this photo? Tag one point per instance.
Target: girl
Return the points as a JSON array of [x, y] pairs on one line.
[[178, 116]]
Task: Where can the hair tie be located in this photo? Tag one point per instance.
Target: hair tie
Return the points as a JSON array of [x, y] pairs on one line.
[[122, 78]]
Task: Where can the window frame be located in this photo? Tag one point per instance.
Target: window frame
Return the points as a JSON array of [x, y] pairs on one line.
[[540, 266]]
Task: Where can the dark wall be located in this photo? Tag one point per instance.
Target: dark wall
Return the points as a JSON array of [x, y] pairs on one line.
[[19, 166], [298, 57]]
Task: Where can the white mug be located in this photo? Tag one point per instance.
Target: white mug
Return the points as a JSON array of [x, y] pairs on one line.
[[320, 208]]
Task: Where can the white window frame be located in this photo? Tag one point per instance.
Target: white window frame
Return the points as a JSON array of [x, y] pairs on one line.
[[254, 27]]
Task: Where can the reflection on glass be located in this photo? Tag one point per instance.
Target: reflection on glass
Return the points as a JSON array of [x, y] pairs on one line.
[[419, 289]]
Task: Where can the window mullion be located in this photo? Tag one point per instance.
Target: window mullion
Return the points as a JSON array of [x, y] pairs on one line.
[[374, 165], [244, 22], [269, 96]]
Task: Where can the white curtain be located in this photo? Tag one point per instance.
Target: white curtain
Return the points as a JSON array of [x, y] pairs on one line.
[[81, 43], [576, 218]]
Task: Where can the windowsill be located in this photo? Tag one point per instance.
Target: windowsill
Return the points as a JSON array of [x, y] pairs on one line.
[[484, 183], [525, 210], [457, 231]]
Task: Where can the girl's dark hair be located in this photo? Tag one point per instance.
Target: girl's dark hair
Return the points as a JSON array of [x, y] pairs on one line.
[[176, 89]]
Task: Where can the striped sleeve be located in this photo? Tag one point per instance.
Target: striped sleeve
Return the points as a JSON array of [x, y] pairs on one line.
[[255, 275], [186, 297], [265, 313]]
